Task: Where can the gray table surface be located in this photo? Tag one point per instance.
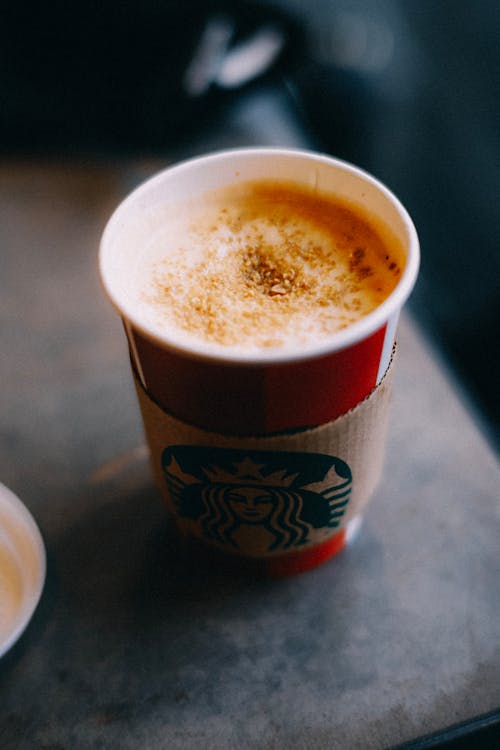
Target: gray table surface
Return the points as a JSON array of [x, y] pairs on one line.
[[135, 644]]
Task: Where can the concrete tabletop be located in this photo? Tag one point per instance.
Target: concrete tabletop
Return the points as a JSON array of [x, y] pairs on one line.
[[135, 644]]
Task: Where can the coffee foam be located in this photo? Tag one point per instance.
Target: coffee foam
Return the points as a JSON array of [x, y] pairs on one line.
[[261, 266]]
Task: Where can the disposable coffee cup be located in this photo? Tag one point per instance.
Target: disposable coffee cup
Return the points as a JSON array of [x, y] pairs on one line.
[[270, 456]]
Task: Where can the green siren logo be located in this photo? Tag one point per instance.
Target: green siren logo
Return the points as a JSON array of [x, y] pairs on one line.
[[231, 494]]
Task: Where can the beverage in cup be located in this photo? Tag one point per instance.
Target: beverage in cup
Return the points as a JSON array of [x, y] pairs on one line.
[[260, 291]]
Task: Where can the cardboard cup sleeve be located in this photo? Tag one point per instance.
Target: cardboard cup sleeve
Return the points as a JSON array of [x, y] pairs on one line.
[[268, 496]]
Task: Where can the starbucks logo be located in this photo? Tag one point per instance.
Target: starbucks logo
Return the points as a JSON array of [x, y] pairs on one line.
[[229, 495]]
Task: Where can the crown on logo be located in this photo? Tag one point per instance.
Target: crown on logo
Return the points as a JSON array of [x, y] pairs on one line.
[[248, 472]]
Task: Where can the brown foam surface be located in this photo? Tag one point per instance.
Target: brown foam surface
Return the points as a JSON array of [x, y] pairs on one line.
[[271, 264]]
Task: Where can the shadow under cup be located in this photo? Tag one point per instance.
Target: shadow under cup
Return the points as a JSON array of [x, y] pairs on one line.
[[213, 401]]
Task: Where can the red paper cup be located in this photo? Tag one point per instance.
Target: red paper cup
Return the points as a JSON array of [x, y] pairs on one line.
[[248, 394]]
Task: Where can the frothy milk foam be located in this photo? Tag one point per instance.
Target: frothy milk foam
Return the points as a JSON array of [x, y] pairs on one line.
[[261, 265]]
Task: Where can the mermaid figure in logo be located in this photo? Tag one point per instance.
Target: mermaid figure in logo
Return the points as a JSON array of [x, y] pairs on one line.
[[253, 493]]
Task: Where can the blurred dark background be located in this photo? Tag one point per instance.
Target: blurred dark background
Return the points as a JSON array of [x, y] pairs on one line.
[[408, 90]]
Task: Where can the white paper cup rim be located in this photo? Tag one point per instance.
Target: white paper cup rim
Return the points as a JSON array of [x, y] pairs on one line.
[[22, 568], [327, 344]]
